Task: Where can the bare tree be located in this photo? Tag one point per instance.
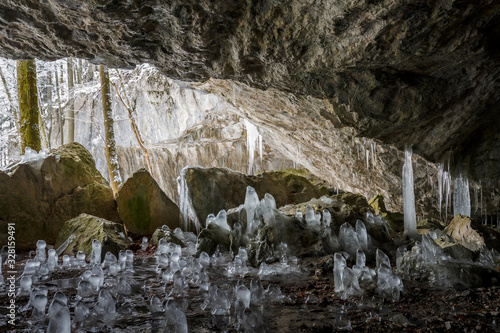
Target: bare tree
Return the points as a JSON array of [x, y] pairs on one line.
[[133, 124]]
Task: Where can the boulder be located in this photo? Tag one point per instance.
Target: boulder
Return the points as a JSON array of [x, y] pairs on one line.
[[168, 235], [39, 195], [86, 228], [211, 237], [144, 207], [226, 189], [460, 229]]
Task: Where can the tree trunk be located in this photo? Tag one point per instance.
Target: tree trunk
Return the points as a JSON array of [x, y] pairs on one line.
[[60, 118], [71, 107], [109, 134], [28, 105]]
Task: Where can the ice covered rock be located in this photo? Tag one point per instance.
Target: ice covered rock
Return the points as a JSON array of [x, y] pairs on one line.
[[86, 228], [144, 207]]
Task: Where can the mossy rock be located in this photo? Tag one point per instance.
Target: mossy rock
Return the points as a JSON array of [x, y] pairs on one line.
[[144, 207], [86, 228], [168, 235], [39, 197]]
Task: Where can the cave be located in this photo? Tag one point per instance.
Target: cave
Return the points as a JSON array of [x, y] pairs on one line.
[[249, 166]]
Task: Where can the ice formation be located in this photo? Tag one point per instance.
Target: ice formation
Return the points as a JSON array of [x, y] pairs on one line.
[[188, 215], [40, 250], [461, 196], [254, 140], [410, 219], [252, 204], [95, 256]]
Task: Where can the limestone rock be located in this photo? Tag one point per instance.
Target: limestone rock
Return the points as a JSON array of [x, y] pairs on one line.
[[226, 189], [40, 196], [86, 228], [144, 207], [460, 228]]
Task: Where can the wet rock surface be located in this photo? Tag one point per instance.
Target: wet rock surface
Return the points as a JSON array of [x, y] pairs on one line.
[[144, 207], [42, 194]]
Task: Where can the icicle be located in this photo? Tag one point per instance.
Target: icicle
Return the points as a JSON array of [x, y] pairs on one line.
[[374, 153], [253, 139], [410, 220], [461, 196], [185, 205], [481, 190], [447, 185], [440, 186], [476, 206], [367, 151]]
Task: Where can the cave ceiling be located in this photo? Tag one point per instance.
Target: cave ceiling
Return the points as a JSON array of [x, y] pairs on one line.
[[409, 73]]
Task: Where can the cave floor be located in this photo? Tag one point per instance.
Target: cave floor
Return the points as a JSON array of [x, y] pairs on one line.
[[308, 304]]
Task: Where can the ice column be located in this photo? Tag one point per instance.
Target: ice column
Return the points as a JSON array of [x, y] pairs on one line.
[[254, 139], [185, 205], [409, 196], [461, 196]]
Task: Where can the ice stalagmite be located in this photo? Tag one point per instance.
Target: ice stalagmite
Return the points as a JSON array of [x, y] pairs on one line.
[[461, 196], [409, 196]]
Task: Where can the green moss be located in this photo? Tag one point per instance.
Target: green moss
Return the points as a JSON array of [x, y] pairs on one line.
[[28, 105]]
